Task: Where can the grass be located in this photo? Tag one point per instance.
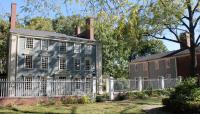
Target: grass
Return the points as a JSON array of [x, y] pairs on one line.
[[121, 107]]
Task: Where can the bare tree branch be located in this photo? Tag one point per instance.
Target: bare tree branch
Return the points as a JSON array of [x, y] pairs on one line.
[[164, 38], [196, 22], [196, 6], [198, 38], [177, 38], [184, 24]]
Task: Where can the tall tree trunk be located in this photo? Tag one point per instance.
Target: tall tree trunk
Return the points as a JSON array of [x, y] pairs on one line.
[[193, 63]]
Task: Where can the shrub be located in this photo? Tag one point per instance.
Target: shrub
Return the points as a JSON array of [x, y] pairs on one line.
[[185, 98], [84, 100], [69, 100], [100, 98], [48, 101], [121, 96]]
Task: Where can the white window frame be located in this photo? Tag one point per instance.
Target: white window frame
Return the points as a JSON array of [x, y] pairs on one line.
[[47, 48], [60, 44], [88, 49], [89, 59], [65, 65], [77, 83], [27, 45], [77, 58], [28, 83], [77, 49], [88, 82], [45, 63], [31, 61]]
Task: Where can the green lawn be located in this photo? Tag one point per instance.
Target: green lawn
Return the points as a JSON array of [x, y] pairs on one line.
[[131, 107]]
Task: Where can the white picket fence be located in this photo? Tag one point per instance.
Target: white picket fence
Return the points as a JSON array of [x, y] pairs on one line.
[[123, 85], [36, 87]]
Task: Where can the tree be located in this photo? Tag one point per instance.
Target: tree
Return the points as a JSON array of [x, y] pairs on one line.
[[176, 17], [66, 25], [150, 46], [40, 23], [4, 35]]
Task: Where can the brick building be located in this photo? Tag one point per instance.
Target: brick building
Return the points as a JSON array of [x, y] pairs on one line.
[[169, 64]]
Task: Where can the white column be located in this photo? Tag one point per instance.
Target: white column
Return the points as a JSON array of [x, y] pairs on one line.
[[107, 85], [48, 88], [162, 82], [140, 83], [94, 80], [99, 67], [111, 88]]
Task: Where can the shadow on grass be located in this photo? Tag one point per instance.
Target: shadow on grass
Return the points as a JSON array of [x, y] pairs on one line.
[[158, 110], [73, 110], [22, 111]]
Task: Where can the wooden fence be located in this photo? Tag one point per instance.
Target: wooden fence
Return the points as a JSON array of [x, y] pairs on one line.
[[49, 87]]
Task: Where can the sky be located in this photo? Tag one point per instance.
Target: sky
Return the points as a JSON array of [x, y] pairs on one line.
[[73, 8]]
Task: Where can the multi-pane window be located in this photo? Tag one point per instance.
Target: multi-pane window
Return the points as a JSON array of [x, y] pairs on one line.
[[62, 63], [77, 65], [87, 64], [88, 49], [28, 61], [44, 62], [62, 78], [62, 46], [77, 83], [28, 83], [29, 42], [44, 44], [88, 82], [77, 48]]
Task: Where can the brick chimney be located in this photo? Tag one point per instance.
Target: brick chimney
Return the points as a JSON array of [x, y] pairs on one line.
[[185, 39], [90, 28], [13, 16], [77, 30]]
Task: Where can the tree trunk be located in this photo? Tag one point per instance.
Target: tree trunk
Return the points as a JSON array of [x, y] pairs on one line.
[[193, 63]]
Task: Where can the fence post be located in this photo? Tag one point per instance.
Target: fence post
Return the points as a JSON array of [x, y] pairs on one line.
[[48, 88], [162, 81], [94, 86], [140, 83], [107, 85], [180, 78], [111, 88]]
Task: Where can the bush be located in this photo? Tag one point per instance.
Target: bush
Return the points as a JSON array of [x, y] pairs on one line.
[[121, 96], [100, 98], [75, 100], [84, 100], [48, 101], [69, 100], [185, 98]]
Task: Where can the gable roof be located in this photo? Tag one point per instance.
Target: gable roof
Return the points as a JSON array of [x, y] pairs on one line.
[[44, 34], [164, 55]]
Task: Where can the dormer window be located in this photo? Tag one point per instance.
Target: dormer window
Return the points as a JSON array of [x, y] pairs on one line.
[[44, 44], [29, 42]]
